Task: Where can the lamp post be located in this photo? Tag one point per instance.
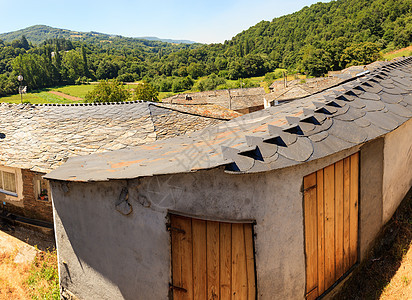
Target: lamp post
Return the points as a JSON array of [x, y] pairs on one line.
[[20, 79]]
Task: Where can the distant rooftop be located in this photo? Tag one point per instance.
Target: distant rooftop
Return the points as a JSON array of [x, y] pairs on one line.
[[298, 88], [233, 99], [296, 132]]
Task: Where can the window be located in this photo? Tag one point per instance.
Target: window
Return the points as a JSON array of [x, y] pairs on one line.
[[41, 187], [331, 224], [212, 260], [8, 183]]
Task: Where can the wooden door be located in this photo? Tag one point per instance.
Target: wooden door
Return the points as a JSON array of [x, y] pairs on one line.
[[331, 224], [212, 260]]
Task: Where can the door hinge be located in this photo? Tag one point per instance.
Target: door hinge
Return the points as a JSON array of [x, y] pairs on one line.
[[170, 228], [177, 288], [310, 188]]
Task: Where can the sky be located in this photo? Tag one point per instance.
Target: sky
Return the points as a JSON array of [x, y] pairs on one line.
[[211, 21]]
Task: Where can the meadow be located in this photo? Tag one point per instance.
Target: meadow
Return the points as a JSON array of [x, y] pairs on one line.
[[80, 91], [398, 53]]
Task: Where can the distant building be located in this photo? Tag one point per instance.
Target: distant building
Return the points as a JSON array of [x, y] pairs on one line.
[[282, 91], [240, 100]]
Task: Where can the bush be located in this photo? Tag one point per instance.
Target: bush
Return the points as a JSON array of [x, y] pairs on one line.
[[146, 91], [245, 83], [272, 76], [108, 91], [224, 74], [210, 83], [82, 80], [127, 77], [182, 84]]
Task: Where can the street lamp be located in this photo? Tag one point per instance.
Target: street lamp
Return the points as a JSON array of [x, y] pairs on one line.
[[20, 79]]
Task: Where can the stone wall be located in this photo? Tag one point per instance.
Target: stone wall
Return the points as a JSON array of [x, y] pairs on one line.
[[26, 204], [34, 208]]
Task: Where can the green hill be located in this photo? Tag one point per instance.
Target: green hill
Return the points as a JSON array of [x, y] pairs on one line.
[[36, 34], [40, 33], [322, 37], [329, 26]]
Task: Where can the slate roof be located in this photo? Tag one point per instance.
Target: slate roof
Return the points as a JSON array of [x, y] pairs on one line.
[[205, 110], [297, 89], [234, 99], [273, 138], [42, 137]]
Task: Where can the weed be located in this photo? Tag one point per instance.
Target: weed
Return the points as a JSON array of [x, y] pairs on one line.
[[405, 280], [386, 272], [43, 281]]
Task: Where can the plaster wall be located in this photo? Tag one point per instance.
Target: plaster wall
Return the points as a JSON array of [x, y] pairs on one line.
[[370, 204], [104, 254], [397, 170]]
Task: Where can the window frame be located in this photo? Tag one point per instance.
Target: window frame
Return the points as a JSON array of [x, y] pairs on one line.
[[36, 183], [18, 183]]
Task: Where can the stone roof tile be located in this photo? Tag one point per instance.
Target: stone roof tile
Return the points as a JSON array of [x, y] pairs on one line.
[[41, 137]]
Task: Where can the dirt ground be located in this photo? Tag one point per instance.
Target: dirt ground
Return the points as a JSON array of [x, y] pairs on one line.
[[387, 273], [17, 254], [35, 238], [65, 96]]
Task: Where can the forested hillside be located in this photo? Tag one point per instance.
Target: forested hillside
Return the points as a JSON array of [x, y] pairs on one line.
[[314, 40], [37, 34], [322, 37]]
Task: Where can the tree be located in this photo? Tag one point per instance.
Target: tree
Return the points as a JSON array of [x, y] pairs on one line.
[[36, 70], [209, 83], [316, 62], [360, 54], [24, 43], [145, 91], [108, 91], [195, 70], [106, 70], [73, 62], [85, 65]]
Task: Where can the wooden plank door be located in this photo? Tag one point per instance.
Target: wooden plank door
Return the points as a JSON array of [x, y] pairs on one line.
[[331, 224], [212, 260]]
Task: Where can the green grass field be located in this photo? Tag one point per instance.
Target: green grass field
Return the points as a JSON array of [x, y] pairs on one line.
[[398, 53], [80, 91], [36, 98], [75, 90]]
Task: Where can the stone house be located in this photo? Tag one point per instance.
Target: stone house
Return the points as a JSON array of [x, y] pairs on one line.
[[283, 203], [35, 139], [244, 100], [282, 91]]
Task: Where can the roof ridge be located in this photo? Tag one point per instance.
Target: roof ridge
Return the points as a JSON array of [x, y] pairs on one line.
[[75, 104], [91, 104], [189, 113]]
